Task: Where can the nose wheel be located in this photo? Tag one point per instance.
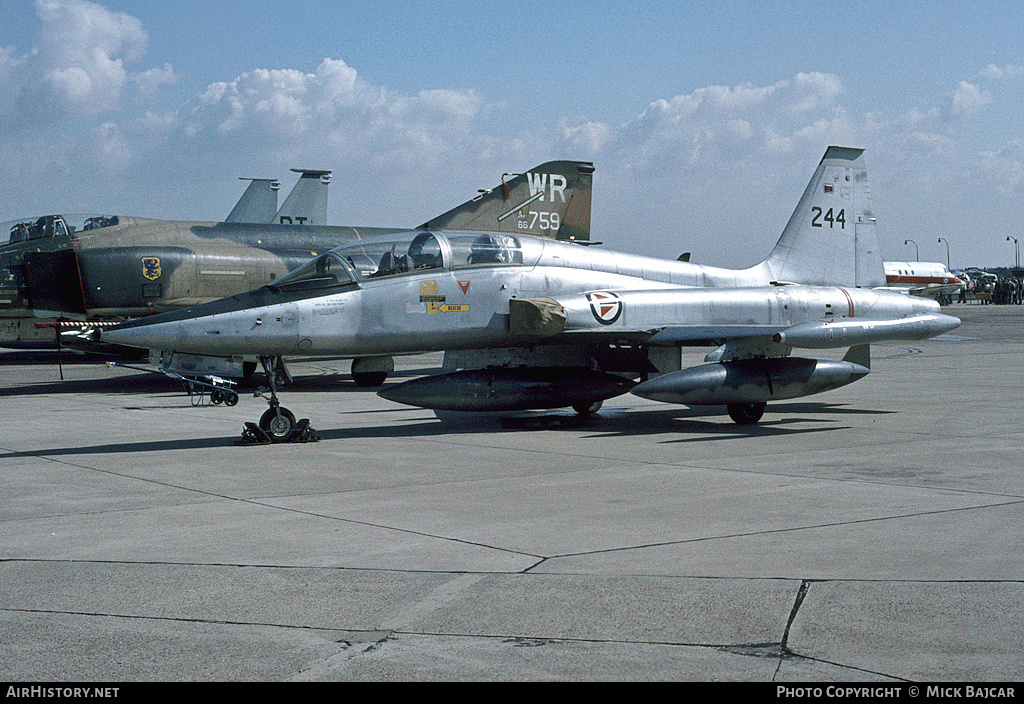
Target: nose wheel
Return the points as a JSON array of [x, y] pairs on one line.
[[277, 424]]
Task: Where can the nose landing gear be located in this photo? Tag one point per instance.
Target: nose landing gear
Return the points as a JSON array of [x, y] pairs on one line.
[[277, 424]]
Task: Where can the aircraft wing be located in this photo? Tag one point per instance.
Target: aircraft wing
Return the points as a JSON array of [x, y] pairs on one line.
[[693, 334]]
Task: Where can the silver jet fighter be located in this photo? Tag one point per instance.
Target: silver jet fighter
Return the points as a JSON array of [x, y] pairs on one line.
[[528, 323]]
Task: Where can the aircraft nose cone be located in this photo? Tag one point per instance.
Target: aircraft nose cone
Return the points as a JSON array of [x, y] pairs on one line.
[[146, 336]]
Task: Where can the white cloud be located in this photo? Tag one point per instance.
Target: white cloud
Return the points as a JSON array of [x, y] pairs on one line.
[[586, 138], [113, 147], [685, 149], [993, 72], [1005, 168], [83, 48], [12, 70], [78, 66], [333, 112], [803, 93], [729, 160], [716, 126], [968, 99], [148, 83]]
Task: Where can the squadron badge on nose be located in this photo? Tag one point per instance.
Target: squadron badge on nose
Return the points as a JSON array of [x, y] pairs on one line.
[[151, 268]]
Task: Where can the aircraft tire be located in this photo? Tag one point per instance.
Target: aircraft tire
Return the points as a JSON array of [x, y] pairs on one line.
[[586, 409], [278, 423], [746, 413], [369, 378]]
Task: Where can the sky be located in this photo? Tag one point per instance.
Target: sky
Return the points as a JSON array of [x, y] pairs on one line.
[[704, 120]]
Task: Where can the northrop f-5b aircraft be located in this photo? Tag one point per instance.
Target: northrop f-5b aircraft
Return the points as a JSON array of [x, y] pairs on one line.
[[529, 323]]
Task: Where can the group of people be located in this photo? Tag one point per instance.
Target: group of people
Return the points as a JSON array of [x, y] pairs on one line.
[[1000, 291]]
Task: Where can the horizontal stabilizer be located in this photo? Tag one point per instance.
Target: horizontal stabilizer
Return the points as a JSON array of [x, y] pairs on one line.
[[934, 290]]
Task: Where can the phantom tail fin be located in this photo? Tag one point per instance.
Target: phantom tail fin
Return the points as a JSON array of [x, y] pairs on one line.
[[307, 203], [258, 203], [830, 239], [551, 200]]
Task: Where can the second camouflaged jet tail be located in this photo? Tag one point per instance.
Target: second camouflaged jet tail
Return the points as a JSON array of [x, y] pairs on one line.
[[551, 201]]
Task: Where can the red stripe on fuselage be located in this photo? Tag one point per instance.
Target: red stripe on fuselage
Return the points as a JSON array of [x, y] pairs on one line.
[[898, 279], [849, 300]]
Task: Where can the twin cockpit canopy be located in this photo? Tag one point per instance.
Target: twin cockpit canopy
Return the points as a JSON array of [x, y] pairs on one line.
[[51, 226], [402, 253]]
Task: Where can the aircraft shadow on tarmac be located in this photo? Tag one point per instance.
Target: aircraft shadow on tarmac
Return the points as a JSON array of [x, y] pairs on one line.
[[330, 379], [677, 424], [704, 424], [141, 384], [12, 358]]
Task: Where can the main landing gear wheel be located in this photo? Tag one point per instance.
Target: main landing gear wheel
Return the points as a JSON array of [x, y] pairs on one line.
[[586, 409], [746, 413], [371, 371], [369, 378]]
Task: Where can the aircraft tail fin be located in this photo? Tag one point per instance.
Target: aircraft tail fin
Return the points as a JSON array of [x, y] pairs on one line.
[[830, 239], [307, 202], [258, 203], [551, 200]]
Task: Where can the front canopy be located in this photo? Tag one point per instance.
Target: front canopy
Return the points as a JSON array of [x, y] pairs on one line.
[[326, 271]]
